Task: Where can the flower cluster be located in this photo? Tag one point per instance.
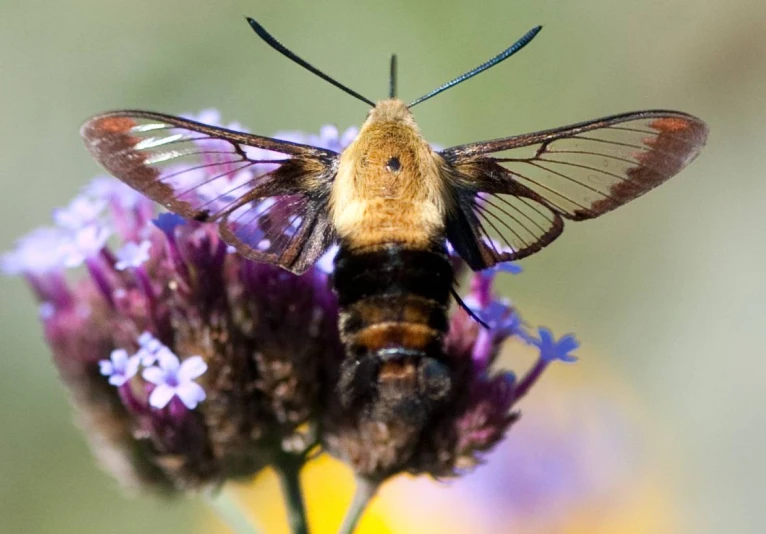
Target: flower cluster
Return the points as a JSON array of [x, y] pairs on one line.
[[190, 365]]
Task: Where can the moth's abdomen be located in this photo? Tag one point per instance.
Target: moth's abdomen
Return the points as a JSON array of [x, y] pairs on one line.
[[393, 320]]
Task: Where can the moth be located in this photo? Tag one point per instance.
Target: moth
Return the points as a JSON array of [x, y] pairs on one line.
[[393, 204]]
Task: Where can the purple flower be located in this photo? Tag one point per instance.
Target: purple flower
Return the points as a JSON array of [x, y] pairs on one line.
[[175, 379], [329, 137], [108, 189], [149, 346], [501, 317], [85, 243], [80, 212], [41, 251], [265, 340], [119, 367], [552, 350], [132, 255], [209, 116]]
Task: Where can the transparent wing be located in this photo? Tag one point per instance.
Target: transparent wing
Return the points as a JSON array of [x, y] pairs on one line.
[[289, 230], [519, 187], [489, 229], [255, 187]]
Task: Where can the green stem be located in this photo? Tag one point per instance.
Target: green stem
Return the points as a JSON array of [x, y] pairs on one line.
[[231, 512], [365, 490], [288, 469]]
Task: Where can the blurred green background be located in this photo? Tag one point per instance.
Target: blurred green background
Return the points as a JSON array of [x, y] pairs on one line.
[[667, 294]]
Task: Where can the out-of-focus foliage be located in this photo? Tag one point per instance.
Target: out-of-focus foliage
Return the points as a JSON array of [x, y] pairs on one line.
[[667, 292]]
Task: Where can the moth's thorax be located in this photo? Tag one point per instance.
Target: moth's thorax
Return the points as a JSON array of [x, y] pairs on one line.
[[389, 187]]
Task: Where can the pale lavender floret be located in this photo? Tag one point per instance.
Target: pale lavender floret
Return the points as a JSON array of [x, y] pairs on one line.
[[41, 251], [552, 350], [80, 212], [112, 190], [119, 367], [329, 137], [148, 341], [292, 136], [501, 248], [209, 116], [132, 255], [173, 378], [84, 243], [46, 310], [326, 262], [347, 137], [212, 117], [149, 347]]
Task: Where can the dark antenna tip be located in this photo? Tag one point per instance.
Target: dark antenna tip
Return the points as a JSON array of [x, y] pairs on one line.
[[279, 47], [502, 56], [392, 78]]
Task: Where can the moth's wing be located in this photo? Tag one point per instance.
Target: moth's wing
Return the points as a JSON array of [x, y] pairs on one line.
[[268, 196], [513, 193]]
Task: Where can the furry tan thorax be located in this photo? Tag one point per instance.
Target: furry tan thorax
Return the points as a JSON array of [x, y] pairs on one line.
[[374, 203]]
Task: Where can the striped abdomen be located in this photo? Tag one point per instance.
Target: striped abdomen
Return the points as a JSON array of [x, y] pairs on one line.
[[393, 320]]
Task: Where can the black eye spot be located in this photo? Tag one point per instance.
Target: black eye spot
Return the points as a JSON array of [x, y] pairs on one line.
[[393, 164]]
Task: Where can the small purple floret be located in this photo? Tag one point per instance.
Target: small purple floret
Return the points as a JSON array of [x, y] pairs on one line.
[[149, 346], [132, 255], [80, 212], [40, 251], [501, 317], [552, 350], [173, 378], [86, 242], [119, 367], [110, 189]]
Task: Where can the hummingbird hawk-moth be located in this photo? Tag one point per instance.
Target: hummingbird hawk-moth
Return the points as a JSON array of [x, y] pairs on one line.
[[393, 204]]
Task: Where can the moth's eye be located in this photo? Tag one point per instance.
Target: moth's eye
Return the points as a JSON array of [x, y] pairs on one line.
[[393, 164]]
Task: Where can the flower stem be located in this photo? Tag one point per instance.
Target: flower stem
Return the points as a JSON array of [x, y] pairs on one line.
[[229, 510], [531, 377], [366, 489], [288, 469]]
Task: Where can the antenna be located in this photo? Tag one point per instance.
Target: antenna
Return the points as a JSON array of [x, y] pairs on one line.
[[392, 78], [508, 52], [279, 47]]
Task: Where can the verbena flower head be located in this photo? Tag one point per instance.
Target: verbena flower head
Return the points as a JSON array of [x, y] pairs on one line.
[[190, 365]]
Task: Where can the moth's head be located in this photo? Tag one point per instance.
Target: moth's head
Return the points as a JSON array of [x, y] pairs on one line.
[[389, 130], [391, 110]]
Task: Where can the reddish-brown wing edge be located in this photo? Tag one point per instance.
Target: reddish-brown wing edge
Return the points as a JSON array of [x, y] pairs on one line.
[[652, 167]]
